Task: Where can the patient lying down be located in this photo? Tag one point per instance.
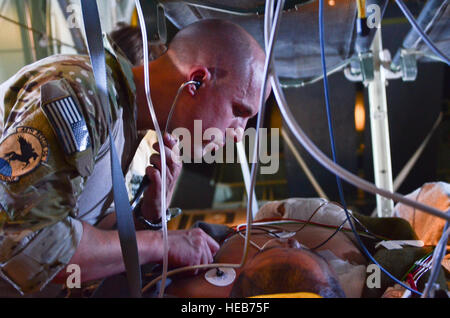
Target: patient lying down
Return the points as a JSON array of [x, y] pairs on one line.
[[284, 260], [297, 249]]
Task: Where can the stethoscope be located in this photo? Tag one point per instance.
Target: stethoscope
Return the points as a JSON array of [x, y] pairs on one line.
[[136, 201]]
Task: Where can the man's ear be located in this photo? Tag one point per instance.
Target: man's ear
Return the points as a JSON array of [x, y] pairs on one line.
[[199, 74]]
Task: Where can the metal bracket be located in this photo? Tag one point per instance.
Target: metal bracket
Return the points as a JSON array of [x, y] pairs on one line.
[[366, 63], [367, 66], [155, 21], [408, 65]]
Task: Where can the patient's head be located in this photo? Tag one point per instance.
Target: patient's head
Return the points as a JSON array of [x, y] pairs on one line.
[[286, 268]]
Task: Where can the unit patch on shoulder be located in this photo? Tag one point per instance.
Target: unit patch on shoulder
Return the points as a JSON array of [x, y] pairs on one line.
[[22, 152], [68, 124]]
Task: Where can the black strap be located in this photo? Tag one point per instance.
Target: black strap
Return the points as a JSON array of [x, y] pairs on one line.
[[125, 222]]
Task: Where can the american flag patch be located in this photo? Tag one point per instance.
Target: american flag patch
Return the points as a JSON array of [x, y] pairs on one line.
[[69, 124]]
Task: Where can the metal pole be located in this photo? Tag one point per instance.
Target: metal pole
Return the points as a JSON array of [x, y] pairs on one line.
[[25, 34], [380, 130], [246, 174], [37, 11]]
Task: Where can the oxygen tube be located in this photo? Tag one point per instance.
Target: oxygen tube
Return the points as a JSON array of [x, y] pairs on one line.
[[161, 143], [272, 38], [304, 140], [334, 167]]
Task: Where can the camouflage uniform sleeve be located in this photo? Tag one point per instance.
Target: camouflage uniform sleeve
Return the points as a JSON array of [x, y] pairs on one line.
[[47, 151]]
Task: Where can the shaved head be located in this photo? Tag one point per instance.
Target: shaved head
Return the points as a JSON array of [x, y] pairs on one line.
[[220, 45], [229, 64]]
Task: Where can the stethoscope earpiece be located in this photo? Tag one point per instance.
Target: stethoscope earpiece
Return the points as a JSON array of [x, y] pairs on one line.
[[197, 84]]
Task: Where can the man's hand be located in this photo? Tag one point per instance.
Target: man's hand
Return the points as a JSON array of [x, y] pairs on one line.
[[99, 253], [151, 206], [396, 291], [191, 247]]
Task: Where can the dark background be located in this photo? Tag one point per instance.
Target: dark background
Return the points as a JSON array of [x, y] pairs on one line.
[[413, 108]]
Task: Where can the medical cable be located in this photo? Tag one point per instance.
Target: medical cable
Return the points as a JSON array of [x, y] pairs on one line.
[[172, 108], [418, 270], [267, 66], [239, 231], [438, 255], [267, 26], [421, 32], [333, 149], [146, 181], [330, 165], [260, 226], [425, 267], [257, 226], [160, 141], [264, 231], [324, 161], [338, 229], [439, 251], [361, 5], [417, 264], [278, 223], [336, 169], [331, 236], [297, 83], [276, 20]]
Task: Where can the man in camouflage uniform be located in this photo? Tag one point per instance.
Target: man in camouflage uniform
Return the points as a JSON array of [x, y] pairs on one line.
[[55, 183]]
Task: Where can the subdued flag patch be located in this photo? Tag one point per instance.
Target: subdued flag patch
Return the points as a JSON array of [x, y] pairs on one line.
[[69, 124]]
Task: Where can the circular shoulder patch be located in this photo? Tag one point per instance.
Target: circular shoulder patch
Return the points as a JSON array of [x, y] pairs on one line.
[[22, 152]]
